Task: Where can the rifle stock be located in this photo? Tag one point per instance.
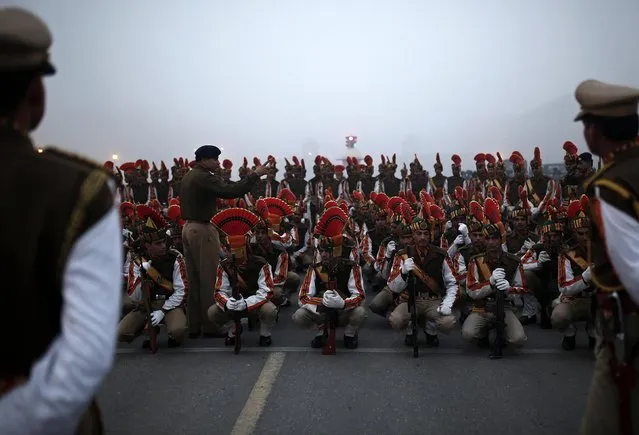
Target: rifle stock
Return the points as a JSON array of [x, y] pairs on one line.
[[231, 270], [146, 294], [330, 316], [412, 306], [500, 326]]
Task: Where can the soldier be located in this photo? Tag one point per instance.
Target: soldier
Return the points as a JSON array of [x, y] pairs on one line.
[[571, 181], [418, 176], [167, 272], [609, 116], [512, 195], [314, 192], [334, 283], [247, 276], [367, 182], [438, 181], [584, 170], [575, 279], [435, 284], [487, 273], [455, 180], [198, 199], [537, 185], [69, 273]]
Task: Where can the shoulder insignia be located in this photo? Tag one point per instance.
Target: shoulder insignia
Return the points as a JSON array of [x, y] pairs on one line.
[[175, 253], [73, 158], [615, 187]]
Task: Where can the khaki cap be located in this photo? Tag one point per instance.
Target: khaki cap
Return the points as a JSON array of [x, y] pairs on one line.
[[603, 99], [24, 42]]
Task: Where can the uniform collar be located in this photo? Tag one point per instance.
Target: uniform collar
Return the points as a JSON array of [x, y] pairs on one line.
[[13, 141]]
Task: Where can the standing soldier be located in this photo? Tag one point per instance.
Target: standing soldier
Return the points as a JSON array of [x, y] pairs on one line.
[[66, 266], [455, 180], [200, 189], [609, 116]]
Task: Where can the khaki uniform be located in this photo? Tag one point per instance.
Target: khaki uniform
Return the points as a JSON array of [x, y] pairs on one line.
[[613, 401], [199, 192]]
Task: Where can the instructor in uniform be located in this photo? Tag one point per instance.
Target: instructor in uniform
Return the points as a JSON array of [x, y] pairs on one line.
[[201, 187], [63, 272], [609, 115]]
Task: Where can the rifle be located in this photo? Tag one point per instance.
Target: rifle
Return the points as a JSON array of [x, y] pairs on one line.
[[412, 307], [231, 270], [146, 295], [330, 315], [500, 326]]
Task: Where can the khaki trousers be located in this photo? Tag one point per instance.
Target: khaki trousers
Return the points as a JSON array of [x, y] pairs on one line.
[[382, 302], [351, 320], [201, 254], [132, 325], [571, 311], [426, 313], [602, 408], [267, 314], [477, 326]]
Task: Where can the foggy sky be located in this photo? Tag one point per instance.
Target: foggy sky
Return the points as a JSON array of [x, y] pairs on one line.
[[155, 79]]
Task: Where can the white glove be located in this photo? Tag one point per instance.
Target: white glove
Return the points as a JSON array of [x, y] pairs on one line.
[[449, 225], [463, 230], [587, 275], [408, 265], [156, 317], [544, 257], [390, 248], [497, 274], [146, 265], [459, 240], [444, 310], [236, 304], [528, 244], [126, 233], [502, 285], [333, 300]]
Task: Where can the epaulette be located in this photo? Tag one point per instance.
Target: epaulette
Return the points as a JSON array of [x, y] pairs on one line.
[[175, 252], [75, 159]]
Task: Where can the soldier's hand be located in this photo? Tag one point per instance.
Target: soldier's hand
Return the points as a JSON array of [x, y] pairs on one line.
[[263, 169]]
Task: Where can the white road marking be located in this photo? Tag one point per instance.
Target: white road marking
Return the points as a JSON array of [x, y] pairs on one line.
[[305, 349], [256, 402]]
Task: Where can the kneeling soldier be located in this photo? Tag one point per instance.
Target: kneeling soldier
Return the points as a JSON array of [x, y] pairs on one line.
[[251, 275], [335, 283]]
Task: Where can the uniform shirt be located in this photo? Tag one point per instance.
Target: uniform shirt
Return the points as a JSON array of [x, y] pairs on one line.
[[201, 188], [263, 294]]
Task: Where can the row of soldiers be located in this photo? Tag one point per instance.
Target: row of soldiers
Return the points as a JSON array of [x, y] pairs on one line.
[[451, 244]]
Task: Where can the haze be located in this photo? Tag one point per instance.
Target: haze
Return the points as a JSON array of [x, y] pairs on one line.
[[155, 79]]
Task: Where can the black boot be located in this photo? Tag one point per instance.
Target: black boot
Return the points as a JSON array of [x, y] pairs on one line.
[[229, 341], [146, 344], [318, 341], [409, 340], [173, 343], [351, 342], [483, 342], [265, 341], [432, 340], [568, 343], [545, 323], [592, 342]]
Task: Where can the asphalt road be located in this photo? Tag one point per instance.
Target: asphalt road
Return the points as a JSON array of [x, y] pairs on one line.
[[379, 388]]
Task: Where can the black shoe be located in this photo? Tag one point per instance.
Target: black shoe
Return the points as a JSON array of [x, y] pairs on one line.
[[545, 323], [229, 341], [528, 320], [146, 344], [409, 340], [173, 343], [432, 340], [351, 342], [568, 343], [483, 343], [592, 342], [318, 342], [265, 341], [286, 303]]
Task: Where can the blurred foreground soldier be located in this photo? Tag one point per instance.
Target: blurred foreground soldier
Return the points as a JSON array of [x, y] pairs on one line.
[[63, 280], [609, 116], [200, 189]]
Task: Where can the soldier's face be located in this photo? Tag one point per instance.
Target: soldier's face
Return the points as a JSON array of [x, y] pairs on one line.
[[422, 238], [581, 236], [520, 223], [262, 237], [477, 239], [553, 238], [537, 170], [438, 170], [456, 170], [492, 242], [156, 248], [406, 240], [36, 99], [212, 165], [491, 170]]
